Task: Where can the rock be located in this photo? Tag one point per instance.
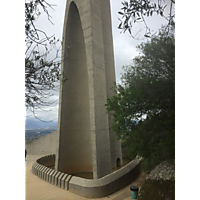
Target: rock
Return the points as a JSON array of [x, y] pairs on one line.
[[164, 171], [160, 184], [157, 190]]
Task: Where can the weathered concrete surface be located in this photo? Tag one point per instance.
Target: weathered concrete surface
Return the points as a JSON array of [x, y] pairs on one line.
[[115, 144], [74, 119], [88, 64]]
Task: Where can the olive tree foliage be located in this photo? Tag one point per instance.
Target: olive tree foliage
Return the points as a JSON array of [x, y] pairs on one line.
[[143, 106], [137, 11], [42, 58]]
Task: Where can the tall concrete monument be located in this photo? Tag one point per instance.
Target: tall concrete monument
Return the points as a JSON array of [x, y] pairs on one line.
[[85, 142]]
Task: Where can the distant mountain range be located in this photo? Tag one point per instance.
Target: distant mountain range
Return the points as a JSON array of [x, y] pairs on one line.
[[32, 123]]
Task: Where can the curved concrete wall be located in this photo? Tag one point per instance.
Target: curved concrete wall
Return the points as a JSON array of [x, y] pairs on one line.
[[106, 185], [41, 169], [44, 145], [94, 188]]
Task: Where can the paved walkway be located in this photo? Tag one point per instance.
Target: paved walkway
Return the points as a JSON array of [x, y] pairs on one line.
[[37, 189]]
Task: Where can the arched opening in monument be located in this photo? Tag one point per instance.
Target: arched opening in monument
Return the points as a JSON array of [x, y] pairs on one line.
[[118, 163], [75, 153]]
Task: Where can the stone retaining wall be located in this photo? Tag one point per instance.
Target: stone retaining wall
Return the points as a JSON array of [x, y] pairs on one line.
[[94, 188]]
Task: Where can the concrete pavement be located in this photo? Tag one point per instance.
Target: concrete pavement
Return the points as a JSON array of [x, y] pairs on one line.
[[37, 189]]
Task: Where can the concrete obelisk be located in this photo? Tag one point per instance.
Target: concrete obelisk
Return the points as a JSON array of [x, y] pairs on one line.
[[85, 142]]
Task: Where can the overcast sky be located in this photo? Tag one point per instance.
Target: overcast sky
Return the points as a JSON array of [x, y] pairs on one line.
[[124, 44]]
